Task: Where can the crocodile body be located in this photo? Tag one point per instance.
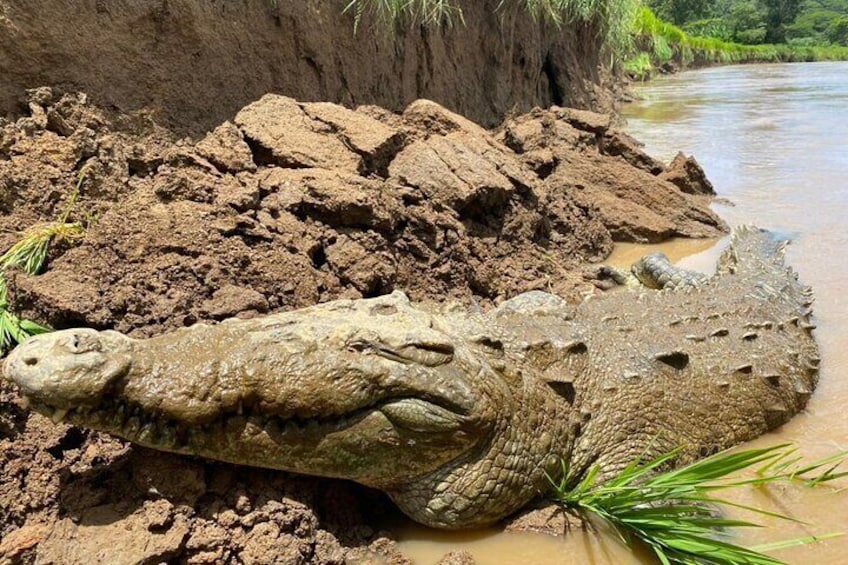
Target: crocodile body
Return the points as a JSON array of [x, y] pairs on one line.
[[458, 416]]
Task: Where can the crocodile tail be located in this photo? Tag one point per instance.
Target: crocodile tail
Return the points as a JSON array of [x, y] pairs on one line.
[[777, 310], [755, 251], [756, 258]]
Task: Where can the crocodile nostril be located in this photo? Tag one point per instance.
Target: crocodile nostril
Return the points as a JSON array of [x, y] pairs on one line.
[[30, 361]]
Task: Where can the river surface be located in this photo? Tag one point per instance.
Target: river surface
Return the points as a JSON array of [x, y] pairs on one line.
[[774, 141]]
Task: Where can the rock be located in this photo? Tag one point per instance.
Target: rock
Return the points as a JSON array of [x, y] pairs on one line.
[[328, 550], [226, 149], [545, 129], [686, 174], [19, 541], [266, 545], [184, 183], [457, 170], [432, 119], [71, 297], [625, 219], [607, 176], [524, 135], [633, 204], [158, 514], [584, 119], [241, 196], [374, 141], [334, 198], [288, 137], [371, 273], [618, 144], [103, 535], [381, 551], [231, 300]]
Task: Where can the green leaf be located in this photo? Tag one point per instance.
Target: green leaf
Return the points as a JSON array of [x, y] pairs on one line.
[[673, 513], [796, 542]]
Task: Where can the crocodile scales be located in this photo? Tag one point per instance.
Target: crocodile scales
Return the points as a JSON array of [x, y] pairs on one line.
[[654, 271], [458, 416]]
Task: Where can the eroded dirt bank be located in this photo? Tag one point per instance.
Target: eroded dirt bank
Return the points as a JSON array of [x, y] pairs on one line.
[[198, 61], [284, 205]]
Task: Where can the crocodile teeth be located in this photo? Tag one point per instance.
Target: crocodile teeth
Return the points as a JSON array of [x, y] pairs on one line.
[[59, 415]]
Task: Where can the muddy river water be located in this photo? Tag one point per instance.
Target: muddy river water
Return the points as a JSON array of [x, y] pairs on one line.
[[774, 141]]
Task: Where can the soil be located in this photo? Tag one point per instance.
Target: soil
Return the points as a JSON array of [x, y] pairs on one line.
[[283, 205], [198, 62]]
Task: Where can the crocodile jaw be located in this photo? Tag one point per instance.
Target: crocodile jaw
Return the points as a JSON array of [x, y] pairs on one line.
[[377, 412]]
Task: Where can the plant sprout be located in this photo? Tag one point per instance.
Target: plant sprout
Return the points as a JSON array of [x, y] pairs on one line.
[[30, 254]]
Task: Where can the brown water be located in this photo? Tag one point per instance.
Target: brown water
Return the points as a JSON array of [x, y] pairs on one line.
[[774, 141]]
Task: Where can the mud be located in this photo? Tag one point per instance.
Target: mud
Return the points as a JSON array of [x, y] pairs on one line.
[[197, 62], [284, 205]]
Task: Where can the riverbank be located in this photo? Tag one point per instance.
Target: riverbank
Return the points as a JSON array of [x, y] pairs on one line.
[[196, 63], [247, 221], [662, 47]]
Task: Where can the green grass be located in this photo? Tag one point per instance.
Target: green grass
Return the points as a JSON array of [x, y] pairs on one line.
[[612, 19], [675, 514], [627, 30], [641, 66], [29, 253], [663, 42], [440, 12]]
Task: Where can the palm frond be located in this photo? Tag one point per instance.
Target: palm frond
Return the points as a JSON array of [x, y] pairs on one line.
[[673, 512]]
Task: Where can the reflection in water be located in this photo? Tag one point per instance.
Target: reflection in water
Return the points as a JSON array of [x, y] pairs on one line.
[[774, 140]]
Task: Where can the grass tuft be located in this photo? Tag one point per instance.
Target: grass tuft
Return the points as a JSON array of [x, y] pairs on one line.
[[612, 18], [30, 254], [674, 513]]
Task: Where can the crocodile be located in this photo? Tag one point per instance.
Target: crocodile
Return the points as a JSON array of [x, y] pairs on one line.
[[654, 271], [460, 416]]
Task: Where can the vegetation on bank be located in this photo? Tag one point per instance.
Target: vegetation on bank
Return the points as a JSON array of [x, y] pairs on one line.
[[611, 18], [713, 32], [674, 513], [29, 253], [448, 11], [796, 22], [660, 44]]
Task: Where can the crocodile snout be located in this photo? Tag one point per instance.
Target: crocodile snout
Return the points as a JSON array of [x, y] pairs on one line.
[[24, 364], [68, 368]]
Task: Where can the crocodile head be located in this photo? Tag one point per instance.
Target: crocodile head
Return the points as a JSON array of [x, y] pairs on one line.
[[373, 391]]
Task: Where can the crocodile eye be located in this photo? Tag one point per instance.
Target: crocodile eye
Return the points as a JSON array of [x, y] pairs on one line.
[[427, 354]]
